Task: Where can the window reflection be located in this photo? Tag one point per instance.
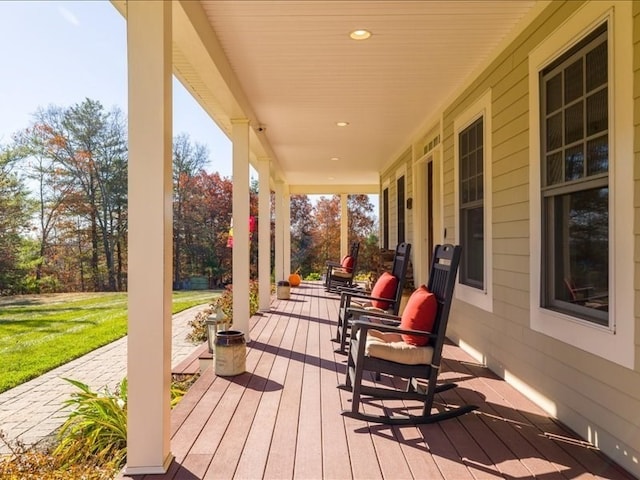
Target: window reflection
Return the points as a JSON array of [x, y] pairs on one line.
[[580, 248]]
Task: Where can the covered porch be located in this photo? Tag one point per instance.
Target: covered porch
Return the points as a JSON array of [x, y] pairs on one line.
[[281, 419], [315, 111]]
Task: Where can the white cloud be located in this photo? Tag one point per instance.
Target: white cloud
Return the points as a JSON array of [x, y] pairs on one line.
[[68, 16]]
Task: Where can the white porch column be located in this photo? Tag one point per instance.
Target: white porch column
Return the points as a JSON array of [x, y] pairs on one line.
[[286, 212], [279, 233], [344, 225], [150, 237], [240, 176], [264, 234]]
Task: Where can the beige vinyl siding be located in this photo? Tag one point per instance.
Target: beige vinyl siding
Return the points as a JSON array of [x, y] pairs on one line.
[[408, 193], [448, 178], [636, 116], [585, 391]]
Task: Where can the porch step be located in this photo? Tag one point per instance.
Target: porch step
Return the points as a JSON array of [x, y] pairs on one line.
[[191, 364]]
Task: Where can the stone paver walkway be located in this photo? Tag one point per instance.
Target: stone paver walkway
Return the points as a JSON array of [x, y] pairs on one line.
[[34, 410]]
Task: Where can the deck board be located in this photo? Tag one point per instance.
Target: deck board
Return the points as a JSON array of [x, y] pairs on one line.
[[281, 418]]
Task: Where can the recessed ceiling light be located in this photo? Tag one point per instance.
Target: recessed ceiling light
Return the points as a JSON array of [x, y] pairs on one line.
[[342, 124], [334, 159], [360, 34], [331, 178]]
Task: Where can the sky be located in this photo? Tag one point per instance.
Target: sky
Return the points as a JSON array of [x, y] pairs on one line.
[[59, 53]]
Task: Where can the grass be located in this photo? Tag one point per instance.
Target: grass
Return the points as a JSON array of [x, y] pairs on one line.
[[41, 332]]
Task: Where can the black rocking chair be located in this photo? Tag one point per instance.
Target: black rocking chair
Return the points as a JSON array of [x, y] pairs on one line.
[[385, 296], [341, 274], [390, 349]]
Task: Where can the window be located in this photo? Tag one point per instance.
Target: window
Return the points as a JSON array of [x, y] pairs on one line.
[[385, 219], [581, 182], [472, 202], [401, 198], [575, 182], [471, 190]]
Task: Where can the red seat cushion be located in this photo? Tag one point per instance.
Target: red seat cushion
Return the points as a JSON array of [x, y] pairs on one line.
[[385, 287], [419, 314], [347, 263]]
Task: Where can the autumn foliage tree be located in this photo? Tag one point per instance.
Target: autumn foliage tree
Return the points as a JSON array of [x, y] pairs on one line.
[[361, 226], [207, 211], [189, 160], [63, 209], [85, 147], [303, 225]]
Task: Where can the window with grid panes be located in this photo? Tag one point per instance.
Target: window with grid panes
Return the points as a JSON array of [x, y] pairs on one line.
[[575, 181], [385, 219], [400, 203], [471, 141]]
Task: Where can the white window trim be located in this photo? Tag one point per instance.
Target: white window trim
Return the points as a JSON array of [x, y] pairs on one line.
[[420, 225], [385, 186], [481, 108], [614, 343], [401, 172]]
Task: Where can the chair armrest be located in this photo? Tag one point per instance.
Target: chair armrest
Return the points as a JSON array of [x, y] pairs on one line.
[[369, 297], [332, 263], [374, 314], [367, 325], [352, 290]]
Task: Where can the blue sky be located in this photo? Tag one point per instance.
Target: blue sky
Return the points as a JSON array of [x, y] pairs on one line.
[[63, 52], [60, 53]]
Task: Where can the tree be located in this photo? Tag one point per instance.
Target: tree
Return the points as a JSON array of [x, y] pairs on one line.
[[208, 210], [90, 146], [303, 224], [50, 195], [361, 225], [15, 210], [189, 160], [326, 236]]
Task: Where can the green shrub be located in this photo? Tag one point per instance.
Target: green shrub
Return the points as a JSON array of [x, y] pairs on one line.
[[92, 441], [96, 429], [97, 426], [313, 276], [198, 326]]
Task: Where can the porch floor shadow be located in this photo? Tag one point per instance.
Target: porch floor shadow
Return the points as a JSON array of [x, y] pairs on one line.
[[281, 419]]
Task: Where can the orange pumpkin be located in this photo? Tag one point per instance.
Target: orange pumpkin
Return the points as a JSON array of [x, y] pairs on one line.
[[294, 279]]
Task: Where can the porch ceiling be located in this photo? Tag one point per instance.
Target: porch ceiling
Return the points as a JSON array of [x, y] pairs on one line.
[[291, 67]]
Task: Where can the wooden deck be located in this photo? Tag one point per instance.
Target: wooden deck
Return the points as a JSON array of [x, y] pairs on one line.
[[282, 418]]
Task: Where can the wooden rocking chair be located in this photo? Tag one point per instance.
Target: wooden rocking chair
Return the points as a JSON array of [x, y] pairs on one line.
[[385, 296], [408, 348]]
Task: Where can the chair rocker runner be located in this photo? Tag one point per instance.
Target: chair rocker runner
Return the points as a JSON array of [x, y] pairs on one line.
[[341, 274], [411, 348], [385, 296]]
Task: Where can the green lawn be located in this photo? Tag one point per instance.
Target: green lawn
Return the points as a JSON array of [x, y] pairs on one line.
[[41, 332]]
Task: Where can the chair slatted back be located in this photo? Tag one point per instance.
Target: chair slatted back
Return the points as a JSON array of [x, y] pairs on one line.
[[401, 261], [442, 280], [353, 252]]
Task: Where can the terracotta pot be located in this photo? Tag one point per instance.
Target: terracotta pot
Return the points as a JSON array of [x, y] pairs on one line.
[[294, 279]]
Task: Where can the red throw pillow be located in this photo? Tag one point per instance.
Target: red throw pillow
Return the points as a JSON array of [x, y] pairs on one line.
[[419, 314], [385, 287], [347, 263]]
